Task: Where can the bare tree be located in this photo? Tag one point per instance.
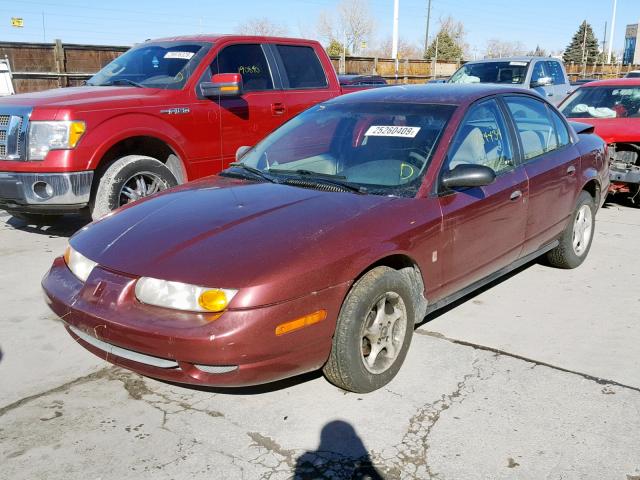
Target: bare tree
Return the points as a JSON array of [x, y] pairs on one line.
[[405, 49], [351, 24], [261, 26], [456, 31], [497, 48]]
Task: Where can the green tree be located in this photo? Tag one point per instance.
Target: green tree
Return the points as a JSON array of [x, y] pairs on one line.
[[448, 49], [583, 46], [334, 49]]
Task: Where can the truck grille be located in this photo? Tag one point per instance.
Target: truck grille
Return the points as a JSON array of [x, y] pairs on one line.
[[13, 129]]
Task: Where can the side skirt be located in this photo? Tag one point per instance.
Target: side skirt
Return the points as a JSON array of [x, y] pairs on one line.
[[490, 278]]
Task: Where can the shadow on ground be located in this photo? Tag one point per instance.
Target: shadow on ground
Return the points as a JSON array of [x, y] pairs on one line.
[[64, 226]]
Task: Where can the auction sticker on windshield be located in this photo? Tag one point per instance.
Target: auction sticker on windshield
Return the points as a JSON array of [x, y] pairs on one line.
[[180, 55], [392, 131]]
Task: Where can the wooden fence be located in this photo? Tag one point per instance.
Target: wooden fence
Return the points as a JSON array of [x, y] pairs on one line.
[[40, 66]]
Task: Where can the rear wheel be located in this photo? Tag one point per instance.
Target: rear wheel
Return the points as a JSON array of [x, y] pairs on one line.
[[129, 179], [373, 332], [576, 240]]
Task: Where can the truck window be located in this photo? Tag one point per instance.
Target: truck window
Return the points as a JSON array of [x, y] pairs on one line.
[[302, 67], [554, 70], [538, 72], [247, 60]]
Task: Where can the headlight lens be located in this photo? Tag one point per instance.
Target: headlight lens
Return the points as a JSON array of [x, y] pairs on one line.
[[56, 135], [182, 296], [79, 265]]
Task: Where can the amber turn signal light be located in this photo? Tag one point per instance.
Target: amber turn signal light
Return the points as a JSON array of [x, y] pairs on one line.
[[301, 322]]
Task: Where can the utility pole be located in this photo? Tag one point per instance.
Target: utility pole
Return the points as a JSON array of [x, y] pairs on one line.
[[613, 27], [426, 35], [44, 31], [584, 40], [394, 48]]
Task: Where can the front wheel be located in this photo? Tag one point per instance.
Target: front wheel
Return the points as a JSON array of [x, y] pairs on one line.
[[373, 332], [129, 179], [576, 240]]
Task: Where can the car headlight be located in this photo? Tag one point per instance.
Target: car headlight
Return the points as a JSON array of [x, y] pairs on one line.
[[182, 296], [55, 135], [79, 265]]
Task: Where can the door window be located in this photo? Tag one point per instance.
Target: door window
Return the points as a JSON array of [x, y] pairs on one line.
[[538, 72], [561, 129], [302, 67], [538, 134], [482, 139], [554, 70], [249, 61]]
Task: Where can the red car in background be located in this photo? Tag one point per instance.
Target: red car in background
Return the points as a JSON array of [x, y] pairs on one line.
[[613, 108], [330, 239]]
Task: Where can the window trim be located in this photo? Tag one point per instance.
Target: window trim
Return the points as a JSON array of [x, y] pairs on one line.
[[282, 70], [523, 160]]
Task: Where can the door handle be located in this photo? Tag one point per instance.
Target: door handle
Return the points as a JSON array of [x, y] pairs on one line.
[[278, 108], [571, 170], [515, 195]]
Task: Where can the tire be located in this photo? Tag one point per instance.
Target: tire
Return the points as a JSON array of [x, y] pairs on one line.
[[577, 237], [123, 175], [36, 218], [350, 365]]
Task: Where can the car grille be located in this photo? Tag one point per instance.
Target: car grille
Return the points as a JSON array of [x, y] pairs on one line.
[[13, 127]]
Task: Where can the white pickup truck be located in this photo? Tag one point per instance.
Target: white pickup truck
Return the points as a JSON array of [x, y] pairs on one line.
[[545, 75]]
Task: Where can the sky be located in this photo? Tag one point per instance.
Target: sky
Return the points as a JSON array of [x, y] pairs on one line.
[[547, 23]]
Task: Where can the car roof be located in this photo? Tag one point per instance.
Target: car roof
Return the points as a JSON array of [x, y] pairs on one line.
[[511, 59], [444, 93], [613, 82], [213, 37]]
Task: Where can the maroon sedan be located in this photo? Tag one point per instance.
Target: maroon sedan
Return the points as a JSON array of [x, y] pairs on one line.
[[329, 240]]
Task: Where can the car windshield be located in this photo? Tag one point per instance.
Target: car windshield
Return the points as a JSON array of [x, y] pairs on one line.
[[603, 102], [491, 72], [166, 65], [383, 148]]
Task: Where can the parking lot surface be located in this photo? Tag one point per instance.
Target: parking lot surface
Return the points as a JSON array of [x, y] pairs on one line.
[[535, 377]]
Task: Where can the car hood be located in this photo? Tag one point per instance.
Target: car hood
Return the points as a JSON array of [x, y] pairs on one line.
[[272, 242], [614, 130], [85, 98]]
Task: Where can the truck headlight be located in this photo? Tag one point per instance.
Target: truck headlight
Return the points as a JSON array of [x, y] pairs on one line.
[[54, 135], [182, 296], [79, 265]]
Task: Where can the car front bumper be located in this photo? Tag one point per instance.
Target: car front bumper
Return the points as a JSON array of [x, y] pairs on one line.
[[239, 348], [45, 192]]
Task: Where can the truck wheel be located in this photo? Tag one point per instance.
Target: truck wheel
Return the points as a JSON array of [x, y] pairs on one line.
[[373, 332], [129, 179], [575, 242]]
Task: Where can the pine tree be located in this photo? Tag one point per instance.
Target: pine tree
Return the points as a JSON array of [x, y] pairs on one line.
[[448, 49], [583, 46], [335, 49]]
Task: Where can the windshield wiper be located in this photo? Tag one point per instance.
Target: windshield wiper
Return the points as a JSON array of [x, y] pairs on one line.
[[255, 171], [320, 178], [120, 81]]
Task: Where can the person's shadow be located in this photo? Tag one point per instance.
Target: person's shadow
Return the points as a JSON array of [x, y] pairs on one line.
[[341, 454]]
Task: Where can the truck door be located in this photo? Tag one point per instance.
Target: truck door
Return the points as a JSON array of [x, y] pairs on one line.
[[242, 120], [304, 79], [542, 82], [560, 81]]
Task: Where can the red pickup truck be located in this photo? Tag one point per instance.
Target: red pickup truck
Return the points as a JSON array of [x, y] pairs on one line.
[[165, 112]]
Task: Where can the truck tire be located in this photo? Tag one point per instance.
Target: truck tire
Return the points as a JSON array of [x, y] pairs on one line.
[[576, 239], [128, 179], [376, 318]]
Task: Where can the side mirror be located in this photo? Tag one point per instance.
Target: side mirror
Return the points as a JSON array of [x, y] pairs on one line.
[[468, 175], [223, 85], [241, 151], [542, 82]]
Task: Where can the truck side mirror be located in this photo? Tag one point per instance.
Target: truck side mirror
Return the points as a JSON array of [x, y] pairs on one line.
[[223, 85], [542, 82]]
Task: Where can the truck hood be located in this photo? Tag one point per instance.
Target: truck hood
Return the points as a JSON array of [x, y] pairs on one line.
[[272, 242], [86, 98], [614, 130]]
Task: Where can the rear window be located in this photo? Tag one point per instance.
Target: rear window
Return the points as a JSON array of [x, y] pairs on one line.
[[302, 67]]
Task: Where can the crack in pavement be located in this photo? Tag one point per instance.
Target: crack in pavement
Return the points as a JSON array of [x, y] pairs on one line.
[[497, 351]]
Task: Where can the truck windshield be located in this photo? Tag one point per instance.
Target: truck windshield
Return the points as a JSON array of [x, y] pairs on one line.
[[166, 65], [603, 102], [382, 148], [491, 72]]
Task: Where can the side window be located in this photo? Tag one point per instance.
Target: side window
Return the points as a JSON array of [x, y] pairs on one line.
[[537, 132], [538, 72], [302, 67], [482, 139], [554, 69], [561, 129], [247, 60]]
